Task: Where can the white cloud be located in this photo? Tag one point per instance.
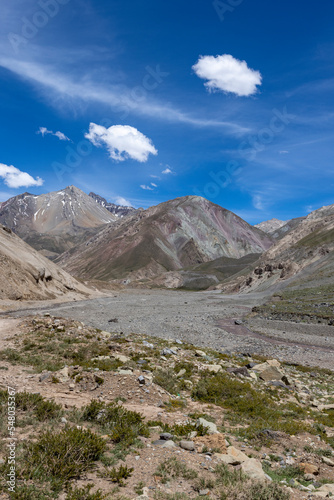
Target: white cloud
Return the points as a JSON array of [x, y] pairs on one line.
[[227, 74], [283, 152], [154, 185], [167, 171], [148, 188], [122, 142], [155, 177], [44, 131], [119, 200], [14, 178]]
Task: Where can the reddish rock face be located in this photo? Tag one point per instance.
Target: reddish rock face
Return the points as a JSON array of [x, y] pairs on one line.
[[171, 236]]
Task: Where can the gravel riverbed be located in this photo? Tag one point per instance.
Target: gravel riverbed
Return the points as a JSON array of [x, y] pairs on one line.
[[202, 318]]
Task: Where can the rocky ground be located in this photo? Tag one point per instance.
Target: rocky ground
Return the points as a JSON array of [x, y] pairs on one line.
[[137, 416], [203, 318]]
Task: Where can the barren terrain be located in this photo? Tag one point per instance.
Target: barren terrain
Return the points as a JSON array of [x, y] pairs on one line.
[[202, 318]]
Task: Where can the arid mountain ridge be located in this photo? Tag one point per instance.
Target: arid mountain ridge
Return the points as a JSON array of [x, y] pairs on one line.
[[188, 242], [168, 237]]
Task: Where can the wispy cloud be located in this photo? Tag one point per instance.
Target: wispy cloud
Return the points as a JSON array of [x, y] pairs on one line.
[[167, 170], [146, 188], [119, 200], [44, 131], [115, 96]]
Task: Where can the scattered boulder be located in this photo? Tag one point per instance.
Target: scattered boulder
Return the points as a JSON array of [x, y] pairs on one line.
[[44, 376], [121, 358], [271, 373], [253, 468], [200, 354], [309, 468], [212, 428], [328, 461], [242, 370], [63, 375], [166, 436], [232, 457], [213, 368], [187, 445]]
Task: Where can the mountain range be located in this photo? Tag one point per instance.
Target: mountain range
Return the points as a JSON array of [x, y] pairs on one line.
[[187, 242], [171, 236], [54, 222]]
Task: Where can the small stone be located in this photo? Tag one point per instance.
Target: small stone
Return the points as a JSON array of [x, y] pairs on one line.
[[72, 387], [187, 445], [164, 444], [328, 461], [44, 376], [200, 354], [121, 358], [124, 372], [63, 420], [239, 371], [166, 436], [213, 368], [141, 380], [238, 322], [204, 493]]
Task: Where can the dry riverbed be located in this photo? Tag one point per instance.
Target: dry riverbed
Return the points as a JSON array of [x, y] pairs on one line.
[[202, 318]]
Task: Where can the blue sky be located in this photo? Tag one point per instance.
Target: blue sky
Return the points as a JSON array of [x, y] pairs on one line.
[[147, 101]]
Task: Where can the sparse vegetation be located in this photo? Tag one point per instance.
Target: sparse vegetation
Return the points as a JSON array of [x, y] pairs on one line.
[[123, 426], [61, 455]]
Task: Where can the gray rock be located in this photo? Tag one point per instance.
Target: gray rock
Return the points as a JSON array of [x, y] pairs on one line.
[[238, 322], [63, 420], [166, 436], [164, 444], [44, 376], [167, 351], [147, 344], [212, 428], [204, 493], [242, 370], [187, 445], [271, 373], [141, 380]]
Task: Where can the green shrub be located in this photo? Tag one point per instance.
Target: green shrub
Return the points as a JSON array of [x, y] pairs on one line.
[[167, 380], [122, 425], [118, 475], [62, 455]]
